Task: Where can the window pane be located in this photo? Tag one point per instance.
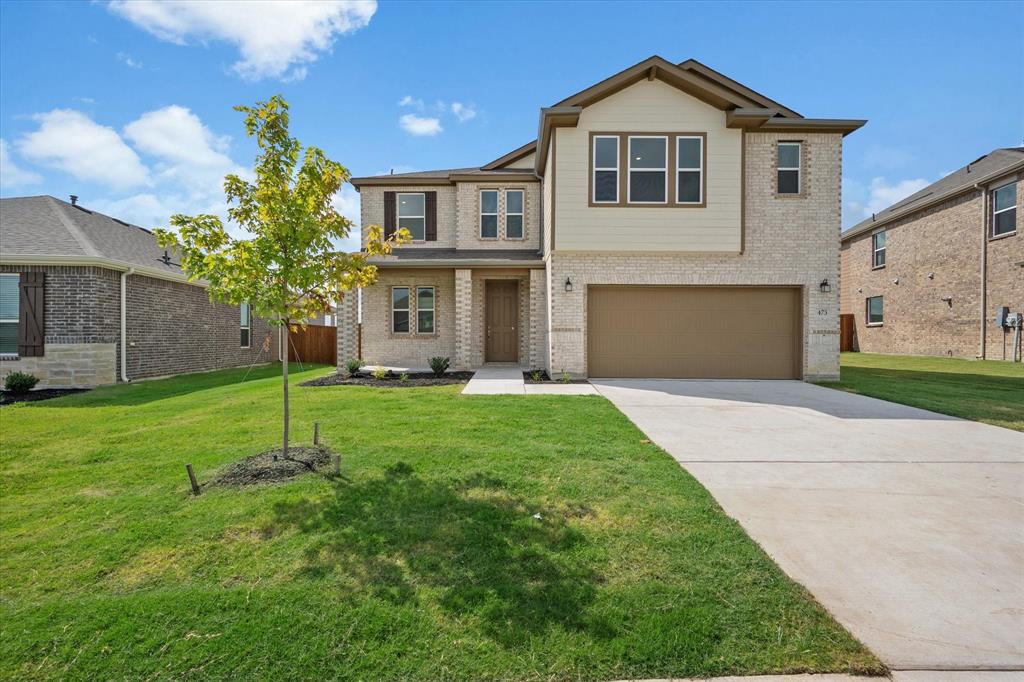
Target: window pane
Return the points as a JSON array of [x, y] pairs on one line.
[[647, 152], [514, 201], [425, 321], [606, 186], [514, 226], [875, 310], [410, 205], [689, 187], [400, 321], [879, 258], [416, 226], [1005, 197], [244, 314], [425, 298], [689, 152], [606, 152], [489, 201], [789, 182], [789, 156], [243, 341], [489, 226], [647, 186], [1005, 222], [9, 297], [9, 338], [879, 238], [400, 298]]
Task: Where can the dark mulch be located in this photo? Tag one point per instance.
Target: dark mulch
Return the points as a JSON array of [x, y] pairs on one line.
[[8, 398], [391, 380], [262, 468], [545, 379]]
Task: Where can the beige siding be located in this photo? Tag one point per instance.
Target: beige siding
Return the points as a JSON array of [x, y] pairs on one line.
[[649, 106], [525, 162], [548, 183]]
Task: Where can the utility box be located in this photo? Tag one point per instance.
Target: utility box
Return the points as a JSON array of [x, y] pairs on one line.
[[1002, 312]]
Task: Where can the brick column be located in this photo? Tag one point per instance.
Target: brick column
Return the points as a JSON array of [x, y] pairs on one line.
[[538, 318], [347, 323], [463, 319]]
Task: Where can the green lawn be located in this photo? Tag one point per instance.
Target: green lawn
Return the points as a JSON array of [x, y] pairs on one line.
[[424, 562], [982, 390]]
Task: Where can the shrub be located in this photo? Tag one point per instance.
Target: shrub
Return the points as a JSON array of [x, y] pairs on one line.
[[439, 366], [352, 366], [566, 377], [536, 375], [379, 373], [20, 382], [403, 377]]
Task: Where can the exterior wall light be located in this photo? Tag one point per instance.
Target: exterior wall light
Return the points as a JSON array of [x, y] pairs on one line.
[[825, 286], [568, 285]]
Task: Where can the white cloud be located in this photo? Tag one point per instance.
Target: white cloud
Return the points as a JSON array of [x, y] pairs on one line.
[[419, 126], [346, 202], [274, 38], [463, 112], [410, 101], [880, 194], [11, 175], [128, 61], [70, 141]]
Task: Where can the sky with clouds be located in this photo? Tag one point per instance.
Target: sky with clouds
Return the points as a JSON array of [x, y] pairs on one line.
[[128, 103]]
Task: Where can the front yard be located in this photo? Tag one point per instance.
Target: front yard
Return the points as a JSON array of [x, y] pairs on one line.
[[425, 561], [982, 390]]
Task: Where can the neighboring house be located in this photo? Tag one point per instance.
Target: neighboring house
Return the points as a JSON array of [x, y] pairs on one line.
[[928, 275], [86, 299], [667, 222]]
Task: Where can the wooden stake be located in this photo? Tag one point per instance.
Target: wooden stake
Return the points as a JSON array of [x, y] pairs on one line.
[[192, 479], [316, 433], [337, 465]]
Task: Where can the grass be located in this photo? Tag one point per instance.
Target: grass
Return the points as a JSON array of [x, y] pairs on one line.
[[424, 561], [981, 390]]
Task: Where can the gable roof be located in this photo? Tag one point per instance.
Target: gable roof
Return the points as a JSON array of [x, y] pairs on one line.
[[982, 170], [723, 80], [47, 231]]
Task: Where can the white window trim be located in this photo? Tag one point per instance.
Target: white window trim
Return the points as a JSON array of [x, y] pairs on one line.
[[799, 163], [399, 216], [867, 311], [17, 278], [875, 250], [596, 168], [408, 309], [496, 214], [521, 213], [700, 169], [432, 309], [1003, 210], [247, 326], [630, 170]]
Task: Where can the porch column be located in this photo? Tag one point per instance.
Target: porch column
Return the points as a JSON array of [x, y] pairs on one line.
[[347, 323], [463, 318], [538, 319]]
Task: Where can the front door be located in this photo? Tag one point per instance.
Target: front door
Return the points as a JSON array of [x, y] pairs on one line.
[[501, 312]]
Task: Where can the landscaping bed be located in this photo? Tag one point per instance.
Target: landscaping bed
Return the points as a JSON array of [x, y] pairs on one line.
[[272, 467], [8, 398], [529, 378], [392, 380]]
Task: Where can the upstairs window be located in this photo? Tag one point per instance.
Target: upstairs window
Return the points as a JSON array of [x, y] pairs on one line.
[[489, 214], [1004, 210], [9, 314], [400, 310], [874, 311], [245, 325], [789, 167], [648, 170], [689, 169], [424, 310], [878, 249], [606, 169], [513, 214], [412, 215]]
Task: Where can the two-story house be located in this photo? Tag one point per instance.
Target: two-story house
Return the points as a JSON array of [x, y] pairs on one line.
[[666, 222]]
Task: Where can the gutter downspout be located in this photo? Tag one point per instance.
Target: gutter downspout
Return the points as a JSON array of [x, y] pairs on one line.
[[984, 270], [124, 328]]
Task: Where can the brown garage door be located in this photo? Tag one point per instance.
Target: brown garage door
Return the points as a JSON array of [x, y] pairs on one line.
[[693, 332]]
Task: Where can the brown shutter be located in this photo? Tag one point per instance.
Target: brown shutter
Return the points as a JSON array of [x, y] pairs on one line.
[[389, 215], [431, 205], [31, 310]]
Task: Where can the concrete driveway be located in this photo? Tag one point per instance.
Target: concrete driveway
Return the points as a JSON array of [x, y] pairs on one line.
[[907, 525]]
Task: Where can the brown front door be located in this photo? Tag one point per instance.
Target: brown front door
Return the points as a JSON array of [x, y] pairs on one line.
[[501, 312]]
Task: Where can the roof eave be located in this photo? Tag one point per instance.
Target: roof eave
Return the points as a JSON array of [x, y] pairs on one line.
[[551, 118], [99, 262], [767, 120], [512, 156]]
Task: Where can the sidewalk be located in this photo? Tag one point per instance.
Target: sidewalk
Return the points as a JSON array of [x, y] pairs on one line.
[[509, 381]]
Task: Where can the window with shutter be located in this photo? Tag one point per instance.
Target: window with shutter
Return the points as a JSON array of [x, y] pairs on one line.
[[9, 285], [31, 309]]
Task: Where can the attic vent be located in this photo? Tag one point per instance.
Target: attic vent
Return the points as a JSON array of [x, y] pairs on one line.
[[83, 210], [118, 220]]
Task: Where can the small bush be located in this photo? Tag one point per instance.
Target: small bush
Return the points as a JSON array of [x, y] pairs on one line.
[[403, 377], [536, 375], [20, 382], [566, 377], [379, 373], [439, 366], [352, 366]]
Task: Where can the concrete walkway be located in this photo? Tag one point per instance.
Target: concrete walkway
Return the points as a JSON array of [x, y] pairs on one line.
[[897, 676], [907, 525], [502, 380]]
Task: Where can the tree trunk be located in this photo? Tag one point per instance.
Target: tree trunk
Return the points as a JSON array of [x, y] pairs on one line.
[[284, 374]]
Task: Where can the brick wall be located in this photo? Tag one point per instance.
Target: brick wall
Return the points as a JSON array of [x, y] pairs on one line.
[[371, 212]]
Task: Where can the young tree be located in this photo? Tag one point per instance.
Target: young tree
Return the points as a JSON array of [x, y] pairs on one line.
[[287, 268]]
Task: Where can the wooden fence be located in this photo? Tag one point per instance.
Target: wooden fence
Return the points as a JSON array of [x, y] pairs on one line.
[[847, 333], [314, 344]]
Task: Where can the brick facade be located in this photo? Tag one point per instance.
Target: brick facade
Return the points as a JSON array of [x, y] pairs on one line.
[[932, 255]]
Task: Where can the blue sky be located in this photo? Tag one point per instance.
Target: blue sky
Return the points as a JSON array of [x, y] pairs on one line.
[[129, 104]]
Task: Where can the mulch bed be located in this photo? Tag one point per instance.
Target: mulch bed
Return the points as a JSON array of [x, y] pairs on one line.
[[545, 379], [7, 398], [391, 380], [262, 468]]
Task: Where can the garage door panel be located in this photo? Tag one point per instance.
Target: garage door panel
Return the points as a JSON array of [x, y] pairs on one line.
[[693, 332]]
